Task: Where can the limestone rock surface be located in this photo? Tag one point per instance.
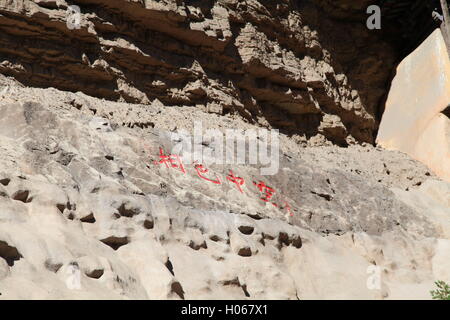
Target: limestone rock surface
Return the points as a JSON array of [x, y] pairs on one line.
[[284, 64], [417, 115], [80, 194]]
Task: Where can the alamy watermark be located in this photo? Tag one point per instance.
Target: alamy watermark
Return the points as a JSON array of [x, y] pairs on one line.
[[233, 146], [374, 20]]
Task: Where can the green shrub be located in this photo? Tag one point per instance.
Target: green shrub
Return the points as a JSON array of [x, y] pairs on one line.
[[442, 292]]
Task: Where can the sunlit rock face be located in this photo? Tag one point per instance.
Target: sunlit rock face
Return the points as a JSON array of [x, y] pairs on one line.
[[416, 120], [85, 212], [90, 209], [285, 64]]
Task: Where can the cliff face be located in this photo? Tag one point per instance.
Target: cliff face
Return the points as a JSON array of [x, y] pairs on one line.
[[311, 68], [85, 212]]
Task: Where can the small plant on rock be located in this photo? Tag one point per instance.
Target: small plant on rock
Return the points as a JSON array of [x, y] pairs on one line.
[[442, 292]]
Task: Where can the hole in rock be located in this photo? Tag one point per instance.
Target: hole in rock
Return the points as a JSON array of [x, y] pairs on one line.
[[257, 216], [9, 253], [246, 229], [267, 236], [197, 246], [61, 207], [294, 240], [95, 274], [237, 283], [178, 289], [214, 238], [125, 210], [54, 267], [245, 252], [48, 4], [283, 238], [323, 195], [95, 190], [297, 242], [89, 218], [262, 241], [446, 111], [115, 242], [244, 288], [148, 224], [232, 282]]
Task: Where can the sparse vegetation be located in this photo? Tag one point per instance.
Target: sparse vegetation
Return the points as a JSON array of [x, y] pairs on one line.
[[442, 292]]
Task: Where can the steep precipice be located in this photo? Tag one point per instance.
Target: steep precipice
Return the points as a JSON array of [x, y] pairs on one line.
[[295, 65]]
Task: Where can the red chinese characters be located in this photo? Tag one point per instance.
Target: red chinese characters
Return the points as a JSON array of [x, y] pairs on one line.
[[171, 161], [267, 193], [236, 180]]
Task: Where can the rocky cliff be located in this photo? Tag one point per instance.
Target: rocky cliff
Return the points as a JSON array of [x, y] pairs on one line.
[[80, 190], [416, 120], [90, 209]]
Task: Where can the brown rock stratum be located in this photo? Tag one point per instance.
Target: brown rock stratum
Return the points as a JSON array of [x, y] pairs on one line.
[[83, 114], [417, 116], [285, 64]]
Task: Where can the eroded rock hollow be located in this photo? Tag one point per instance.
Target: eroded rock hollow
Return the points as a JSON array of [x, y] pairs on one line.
[[307, 67]]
